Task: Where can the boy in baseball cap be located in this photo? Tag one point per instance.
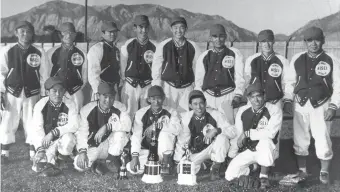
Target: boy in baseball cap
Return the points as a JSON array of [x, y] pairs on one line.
[[137, 56], [206, 133], [53, 125]]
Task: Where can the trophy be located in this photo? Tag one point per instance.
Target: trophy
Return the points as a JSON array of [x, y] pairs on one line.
[[122, 170], [166, 163], [152, 168], [187, 173]]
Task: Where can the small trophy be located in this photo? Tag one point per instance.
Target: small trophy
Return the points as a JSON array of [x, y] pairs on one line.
[[152, 168], [122, 170], [187, 173], [166, 166]]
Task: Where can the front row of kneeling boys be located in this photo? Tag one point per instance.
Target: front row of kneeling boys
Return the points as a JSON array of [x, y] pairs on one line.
[[103, 130]]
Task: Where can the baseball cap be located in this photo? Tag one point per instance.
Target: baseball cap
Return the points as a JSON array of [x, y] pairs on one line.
[[109, 26], [254, 87], [155, 91], [50, 82], [217, 29], [266, 35], [196, 94], [105, 88], [67, 26], [314, 33], [175, 20], [141, 20], [21, 24]]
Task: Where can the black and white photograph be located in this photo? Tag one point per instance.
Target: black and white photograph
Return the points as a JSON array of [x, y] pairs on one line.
[[170, 95]]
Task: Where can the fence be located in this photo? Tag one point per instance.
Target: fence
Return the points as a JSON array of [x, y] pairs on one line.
[[247, 49]]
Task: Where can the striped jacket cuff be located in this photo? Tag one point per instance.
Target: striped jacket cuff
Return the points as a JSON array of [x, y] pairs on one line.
[[332, 106], [55, 133]]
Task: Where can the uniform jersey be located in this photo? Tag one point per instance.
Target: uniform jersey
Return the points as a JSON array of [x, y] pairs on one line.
[[137, 62], [220, 72], [93, 118], [264, 123], [314, 78], [144, 120], [70, 65], [104, 64], [23, 69], [175, 64], [48, 117], [195, 129], [270, 72]]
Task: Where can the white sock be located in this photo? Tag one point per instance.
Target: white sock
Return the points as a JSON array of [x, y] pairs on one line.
[[32, 153], [263, 175], [303, 169], [5, 152]]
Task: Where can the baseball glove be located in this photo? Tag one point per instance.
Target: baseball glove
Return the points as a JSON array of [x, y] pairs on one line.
[[248, 182]]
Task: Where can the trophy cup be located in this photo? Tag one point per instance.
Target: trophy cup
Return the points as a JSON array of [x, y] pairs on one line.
[[187, 173], [152, 168], [122, 170]]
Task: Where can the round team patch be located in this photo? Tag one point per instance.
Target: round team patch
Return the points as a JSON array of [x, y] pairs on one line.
[[148, 56], [77, 59], [262, 123], [206, 128], [62, 119], [228, 62], [275, 70], [322, 68], [33, 60]]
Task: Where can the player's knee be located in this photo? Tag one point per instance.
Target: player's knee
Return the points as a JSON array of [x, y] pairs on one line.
[[324, 154], [117, 143]]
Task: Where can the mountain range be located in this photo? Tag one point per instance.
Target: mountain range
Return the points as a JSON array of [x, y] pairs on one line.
[[56, 12]]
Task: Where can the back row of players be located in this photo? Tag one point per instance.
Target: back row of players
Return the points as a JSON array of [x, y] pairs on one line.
[[177, 73]]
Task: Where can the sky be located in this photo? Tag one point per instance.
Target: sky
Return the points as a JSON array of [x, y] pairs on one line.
[[282, 16]]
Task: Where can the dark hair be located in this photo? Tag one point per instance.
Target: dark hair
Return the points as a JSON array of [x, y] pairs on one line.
[[197, 96]]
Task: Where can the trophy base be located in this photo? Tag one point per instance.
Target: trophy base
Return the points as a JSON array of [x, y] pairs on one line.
[[152, 179], [186, 179]]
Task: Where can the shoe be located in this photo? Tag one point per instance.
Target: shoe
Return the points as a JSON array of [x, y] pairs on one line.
[[324, 177], [294, 179], [264, 183], [99, 168], [215, 171], [4, 159], [114, 164], [50, 171]]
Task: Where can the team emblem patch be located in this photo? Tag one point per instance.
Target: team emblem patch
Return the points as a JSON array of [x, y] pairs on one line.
[[275, 70], [77, 59], [262, 123], [228, 62], [113, 119], [148, 56], [322, 68], [62, 119], [206, 128], [33, 60]]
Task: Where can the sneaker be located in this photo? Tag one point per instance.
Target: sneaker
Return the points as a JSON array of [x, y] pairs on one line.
[[50, 171], [324, 177], [215, 171], [4, 159], [264, 183]]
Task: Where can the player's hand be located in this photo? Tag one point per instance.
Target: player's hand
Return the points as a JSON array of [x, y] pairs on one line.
[[100, 134], [39, 156], [82, 161], [209, 136], [2, 103], [47, 140], [236, 102], [288, 108], [134, 164], [241, 140], [330, 114]]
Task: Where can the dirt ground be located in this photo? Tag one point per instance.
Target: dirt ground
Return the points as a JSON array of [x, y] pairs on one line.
[[18, 176]]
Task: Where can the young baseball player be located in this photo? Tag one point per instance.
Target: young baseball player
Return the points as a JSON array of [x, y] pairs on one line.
[[104, 60], [257, 126], [267, 68], [174, 65], [314, 85], [207, 134], [24, 70], [52, 127], [69, 64], [103, 132], [163, 118], [219, 74], [137, 55]]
